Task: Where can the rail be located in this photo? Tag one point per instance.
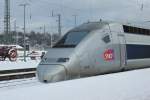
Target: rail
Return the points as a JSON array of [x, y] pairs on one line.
[[17, 74]]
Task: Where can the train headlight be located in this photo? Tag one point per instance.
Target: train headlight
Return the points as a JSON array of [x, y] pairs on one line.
[[63, 60]]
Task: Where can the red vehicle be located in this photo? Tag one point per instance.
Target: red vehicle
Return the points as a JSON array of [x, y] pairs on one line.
[[8, 52]]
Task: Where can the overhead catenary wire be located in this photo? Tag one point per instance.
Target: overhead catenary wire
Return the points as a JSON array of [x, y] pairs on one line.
[[67, 11]]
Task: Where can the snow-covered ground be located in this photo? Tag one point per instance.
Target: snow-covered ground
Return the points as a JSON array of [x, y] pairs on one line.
[[14, 84], [131, 85], [19, 64]]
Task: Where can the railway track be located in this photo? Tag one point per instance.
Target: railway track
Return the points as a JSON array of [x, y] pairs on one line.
[[17, 74]]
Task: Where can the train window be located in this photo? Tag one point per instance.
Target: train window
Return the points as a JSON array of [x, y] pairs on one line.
[[135, 51], [71, 39], [136, 30], [106, 39]]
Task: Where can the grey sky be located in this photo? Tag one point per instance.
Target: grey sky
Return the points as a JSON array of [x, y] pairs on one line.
[[93, 10]]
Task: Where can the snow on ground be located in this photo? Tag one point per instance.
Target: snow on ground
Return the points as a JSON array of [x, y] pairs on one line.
[[18, 83], [19, 64], [131, 85]]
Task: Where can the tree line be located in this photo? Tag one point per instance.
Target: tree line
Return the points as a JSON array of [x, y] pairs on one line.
[[32, 38]]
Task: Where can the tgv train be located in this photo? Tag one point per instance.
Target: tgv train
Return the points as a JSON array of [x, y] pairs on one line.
[[96, 48]]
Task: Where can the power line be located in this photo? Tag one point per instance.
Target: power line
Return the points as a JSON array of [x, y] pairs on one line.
[[56, 4], [43, 3]]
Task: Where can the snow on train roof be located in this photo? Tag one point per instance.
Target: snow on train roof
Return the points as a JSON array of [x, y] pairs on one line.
[[98, 25], [130, 85], [90, 26]]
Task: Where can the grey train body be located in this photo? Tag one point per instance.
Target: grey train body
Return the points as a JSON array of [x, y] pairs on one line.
[[96, 48]]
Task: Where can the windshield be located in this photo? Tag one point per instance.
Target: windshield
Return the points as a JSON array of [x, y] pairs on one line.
[[71, 39]]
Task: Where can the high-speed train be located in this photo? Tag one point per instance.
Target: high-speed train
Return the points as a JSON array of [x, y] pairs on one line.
[[96, 48]]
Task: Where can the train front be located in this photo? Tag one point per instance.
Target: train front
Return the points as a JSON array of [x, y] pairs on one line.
[[52, 68], [56, 64]]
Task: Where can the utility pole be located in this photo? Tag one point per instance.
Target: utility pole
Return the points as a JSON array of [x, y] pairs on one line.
[[24, 36], [0, 24], [15, 30], [59, 22], [75, 20], [59, 25], [51, 40], [44, 30], [7, 21]]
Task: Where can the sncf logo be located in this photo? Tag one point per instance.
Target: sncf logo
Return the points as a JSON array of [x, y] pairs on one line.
[[109, 55]]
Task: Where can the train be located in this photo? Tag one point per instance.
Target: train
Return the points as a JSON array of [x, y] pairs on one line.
[[96, 48]]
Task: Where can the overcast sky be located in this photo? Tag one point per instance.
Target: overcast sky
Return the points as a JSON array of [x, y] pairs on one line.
[[39, 12]]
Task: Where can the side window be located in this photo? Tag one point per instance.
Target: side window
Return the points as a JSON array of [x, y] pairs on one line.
[[106, 39]]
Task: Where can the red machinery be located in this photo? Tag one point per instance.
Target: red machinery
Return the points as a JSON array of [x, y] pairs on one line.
[[8, 52]]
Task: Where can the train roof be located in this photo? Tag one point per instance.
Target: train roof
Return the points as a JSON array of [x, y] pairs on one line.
[[90, 26]]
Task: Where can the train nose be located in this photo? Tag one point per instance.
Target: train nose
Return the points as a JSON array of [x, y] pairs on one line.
[[51, 73]]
